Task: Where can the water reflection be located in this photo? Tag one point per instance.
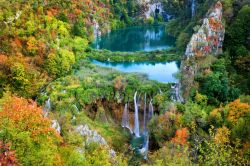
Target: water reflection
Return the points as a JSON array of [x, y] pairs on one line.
[[146, 38]]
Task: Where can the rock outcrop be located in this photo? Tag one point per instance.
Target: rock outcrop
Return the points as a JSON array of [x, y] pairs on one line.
[[210, 36], [93, 136]]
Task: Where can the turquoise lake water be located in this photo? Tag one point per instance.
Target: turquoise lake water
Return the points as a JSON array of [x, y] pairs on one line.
[[162, 72], [147, 38]]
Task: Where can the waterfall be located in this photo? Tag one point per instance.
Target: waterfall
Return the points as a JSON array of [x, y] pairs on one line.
[[125, 116], [150, 110], [144, 149], [136, 125], [193, 8], [48, 104], [144, 114], [76, 108], [96, 27], [47, 107], [152, 7], [125, 119]]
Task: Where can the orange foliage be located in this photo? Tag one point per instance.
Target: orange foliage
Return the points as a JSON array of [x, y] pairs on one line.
[[26, 115], [32, 43], [3, 59], [7, 156], [237, 109], [215, 112], [18, 42], [181, 136]]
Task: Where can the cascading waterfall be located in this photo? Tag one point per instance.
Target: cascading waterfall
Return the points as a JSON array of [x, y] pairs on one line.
[[76, 108], [150, 110], [144, 149], [48, 104], [147, 116], [152, 7], [125, 119], [193, 8], [47, 107], [144, 114], [136, 125], [125, 116]]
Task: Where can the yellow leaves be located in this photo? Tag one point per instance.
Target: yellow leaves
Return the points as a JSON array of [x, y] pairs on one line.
[[222, 135], [32, 44], [201, 99], [215, 112], [237, 109]]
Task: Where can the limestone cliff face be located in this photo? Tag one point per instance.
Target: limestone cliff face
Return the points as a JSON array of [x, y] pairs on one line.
[[210, 36], [208, 40]]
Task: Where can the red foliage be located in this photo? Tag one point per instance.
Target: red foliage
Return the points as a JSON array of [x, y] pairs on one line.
[[181, 136], [7, 156]]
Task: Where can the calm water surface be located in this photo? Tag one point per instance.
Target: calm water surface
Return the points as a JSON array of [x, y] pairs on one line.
[[144, 38], [162, 72], [133, 39]]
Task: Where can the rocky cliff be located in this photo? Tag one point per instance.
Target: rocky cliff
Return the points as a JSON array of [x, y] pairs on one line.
[[210, 36]]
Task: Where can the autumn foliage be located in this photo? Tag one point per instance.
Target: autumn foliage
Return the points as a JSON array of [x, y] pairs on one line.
[[181, 136], [7, 156], [26, 115], [23, 125], [237, 109]]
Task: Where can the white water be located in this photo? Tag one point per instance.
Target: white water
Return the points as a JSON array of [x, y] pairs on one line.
[[96, 27], [144, 114], [47, 107], [76, 108], [151, 9], [150, 110], [125, 119], [193, 8], [136, 126], [144, 149]]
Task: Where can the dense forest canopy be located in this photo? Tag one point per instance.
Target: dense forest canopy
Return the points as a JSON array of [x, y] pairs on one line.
[[59, 108]]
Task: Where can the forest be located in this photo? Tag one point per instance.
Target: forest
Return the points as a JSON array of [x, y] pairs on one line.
[[125, 82]]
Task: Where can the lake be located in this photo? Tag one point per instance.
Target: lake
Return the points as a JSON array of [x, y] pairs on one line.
[[162, 72], [143, 38]]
